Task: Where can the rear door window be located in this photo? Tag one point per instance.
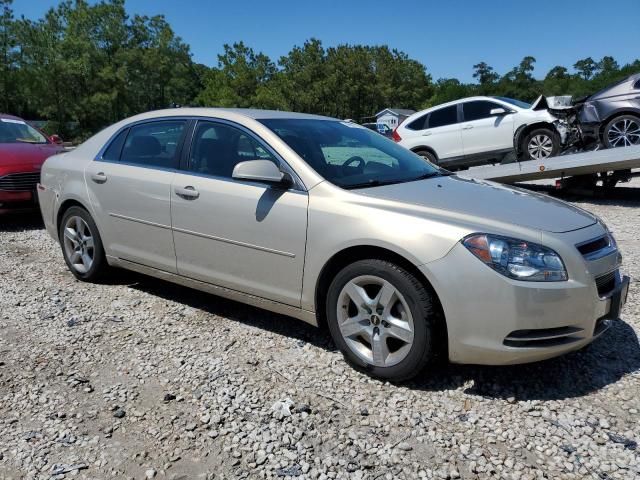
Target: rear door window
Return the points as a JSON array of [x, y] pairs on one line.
[[154, 144], [443, 117]]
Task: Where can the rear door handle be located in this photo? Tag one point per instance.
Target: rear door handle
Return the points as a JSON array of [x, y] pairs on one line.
[[99, 177], [187, 192], [467, 127], [426, 134]]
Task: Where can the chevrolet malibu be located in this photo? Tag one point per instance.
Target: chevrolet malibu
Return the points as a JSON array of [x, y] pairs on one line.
[[333, 224]]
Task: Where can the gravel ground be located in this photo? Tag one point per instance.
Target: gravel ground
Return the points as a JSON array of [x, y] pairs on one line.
[[142, 379]]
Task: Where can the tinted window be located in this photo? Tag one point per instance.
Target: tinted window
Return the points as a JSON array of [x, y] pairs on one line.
[[153, 144], [444, 116], [217, 148], [348, 155], [637, 85], [419, 123], [478, 110], [115, 148]]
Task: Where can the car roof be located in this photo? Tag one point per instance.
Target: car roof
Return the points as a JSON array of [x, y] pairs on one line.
[[454, 102], [252, 113], [12, 117]]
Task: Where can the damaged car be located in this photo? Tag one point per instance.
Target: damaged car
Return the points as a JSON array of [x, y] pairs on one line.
[[480, 130], [612, 116]]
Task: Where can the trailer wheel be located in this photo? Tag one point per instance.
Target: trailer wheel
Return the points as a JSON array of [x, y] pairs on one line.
[[540, 144]]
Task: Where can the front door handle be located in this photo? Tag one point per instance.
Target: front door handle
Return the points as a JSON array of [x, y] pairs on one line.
[[426, 134], [99, 177], [187, 192], [467, 127]]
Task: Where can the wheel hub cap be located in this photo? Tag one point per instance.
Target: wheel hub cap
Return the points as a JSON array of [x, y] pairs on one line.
[[540, 146], [78, 244], [624, 133], [375, 321]]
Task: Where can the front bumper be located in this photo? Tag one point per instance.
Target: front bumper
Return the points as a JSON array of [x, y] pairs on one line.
[[493, 320], [17, 200]]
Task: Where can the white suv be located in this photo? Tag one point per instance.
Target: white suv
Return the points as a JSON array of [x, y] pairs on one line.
[[480, 130]]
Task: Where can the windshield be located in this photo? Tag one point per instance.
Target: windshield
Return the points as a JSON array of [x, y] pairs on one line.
[[349, 155], [512, 101], [17, 131]]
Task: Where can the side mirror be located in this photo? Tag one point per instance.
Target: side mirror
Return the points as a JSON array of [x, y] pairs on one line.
[[498, 111], [261, 171], [56, 139]]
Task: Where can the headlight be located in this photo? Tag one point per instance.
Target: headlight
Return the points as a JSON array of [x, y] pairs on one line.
[[517, 259]]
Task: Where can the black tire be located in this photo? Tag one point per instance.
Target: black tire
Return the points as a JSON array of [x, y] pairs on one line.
[[428, 156], [613, 140], [420, 304], [99, 267], [535, 136]]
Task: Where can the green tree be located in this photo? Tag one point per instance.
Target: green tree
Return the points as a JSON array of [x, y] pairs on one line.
[[586, 67]]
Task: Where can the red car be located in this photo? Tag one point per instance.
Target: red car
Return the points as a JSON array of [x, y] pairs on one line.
[[23, 150]]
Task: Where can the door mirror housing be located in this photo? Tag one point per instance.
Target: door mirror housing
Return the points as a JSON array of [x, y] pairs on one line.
[[498, 111], [261, 171], [55, 138]]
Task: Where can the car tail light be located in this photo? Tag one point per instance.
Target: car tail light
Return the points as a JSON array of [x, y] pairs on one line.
[[396, 137]]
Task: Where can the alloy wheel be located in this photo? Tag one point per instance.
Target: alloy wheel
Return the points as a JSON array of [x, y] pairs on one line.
[[375, 321], [540, 147], [624, 133], [78, 244]]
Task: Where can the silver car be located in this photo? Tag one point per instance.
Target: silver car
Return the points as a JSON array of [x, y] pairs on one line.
[[328, 222]]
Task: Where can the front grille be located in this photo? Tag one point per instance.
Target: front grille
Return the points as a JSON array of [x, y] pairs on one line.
[[606, 283], [542, 337], [19, 182]]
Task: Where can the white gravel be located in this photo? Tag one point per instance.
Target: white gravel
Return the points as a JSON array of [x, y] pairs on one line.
[[144, 379]]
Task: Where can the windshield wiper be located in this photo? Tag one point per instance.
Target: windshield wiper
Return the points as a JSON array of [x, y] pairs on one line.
[[440, 173], [371, 183]]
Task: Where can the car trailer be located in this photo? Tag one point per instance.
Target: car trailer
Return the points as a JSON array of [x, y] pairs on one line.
[[579, 170]]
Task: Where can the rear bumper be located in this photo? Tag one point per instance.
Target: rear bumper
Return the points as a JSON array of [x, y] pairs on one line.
[[493, 320]]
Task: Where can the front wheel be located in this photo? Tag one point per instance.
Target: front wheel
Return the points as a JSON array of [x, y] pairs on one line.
[[382, 319], [82, 246], [623, 131], [541, 144]]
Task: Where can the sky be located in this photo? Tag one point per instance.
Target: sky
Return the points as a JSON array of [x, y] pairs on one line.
[[447, 36]]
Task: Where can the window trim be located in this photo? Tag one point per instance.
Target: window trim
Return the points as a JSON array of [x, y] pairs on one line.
[[298, 185]]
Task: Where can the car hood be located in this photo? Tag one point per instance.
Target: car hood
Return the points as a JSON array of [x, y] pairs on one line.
[[487, 200], [23, 155]]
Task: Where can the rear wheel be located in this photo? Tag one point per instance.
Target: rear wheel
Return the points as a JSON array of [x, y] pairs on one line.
[[540, 144], [81, 245], [382, 319], [428, 156], [623, 131]]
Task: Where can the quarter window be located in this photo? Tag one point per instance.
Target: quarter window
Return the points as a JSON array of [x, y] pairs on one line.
[[112, 153], [478, 110], [153, 144], [217, 148], [443, 117], [419, 123]]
